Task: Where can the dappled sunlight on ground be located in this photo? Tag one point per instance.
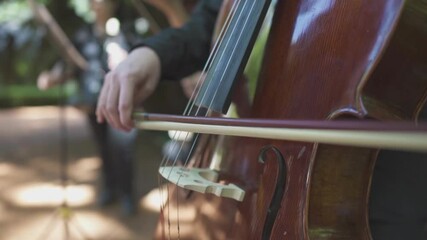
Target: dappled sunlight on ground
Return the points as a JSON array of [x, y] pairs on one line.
[[85, 169], [40, 113], [90, 224], [50, 195], [30, 181], [154, 199], [6, 169]]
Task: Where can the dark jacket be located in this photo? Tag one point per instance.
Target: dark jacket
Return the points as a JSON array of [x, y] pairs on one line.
[[185, 50]]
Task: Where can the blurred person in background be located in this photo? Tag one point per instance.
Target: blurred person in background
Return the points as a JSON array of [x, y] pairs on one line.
[[104, 44]]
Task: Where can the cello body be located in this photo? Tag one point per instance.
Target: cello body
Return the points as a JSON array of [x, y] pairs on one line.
[[324, 60]]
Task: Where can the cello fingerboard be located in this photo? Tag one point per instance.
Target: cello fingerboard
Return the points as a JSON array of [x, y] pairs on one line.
[[232, 55]]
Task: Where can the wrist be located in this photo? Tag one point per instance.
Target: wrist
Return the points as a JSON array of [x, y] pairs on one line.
[[148, 56]]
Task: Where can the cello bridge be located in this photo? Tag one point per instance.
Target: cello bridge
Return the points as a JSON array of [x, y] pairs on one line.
[[202, 181]]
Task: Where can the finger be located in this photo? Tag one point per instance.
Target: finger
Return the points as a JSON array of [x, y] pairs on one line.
[[102, 100], [112, 105], [126, 104]]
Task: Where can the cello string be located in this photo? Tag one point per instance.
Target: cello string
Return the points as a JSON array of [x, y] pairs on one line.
[[209, 84], [195, 92], [206, 68], [222, 56], [212, 55], [188, 108], [216, 90], [232, 53], [219, 85], [220, 59], [222, 77], [218, 42]]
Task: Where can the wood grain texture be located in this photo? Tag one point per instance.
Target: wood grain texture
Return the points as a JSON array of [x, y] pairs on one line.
[[325, 59]]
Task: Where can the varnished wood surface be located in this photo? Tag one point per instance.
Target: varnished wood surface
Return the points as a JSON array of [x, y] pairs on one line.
[[324, 59], [328, 52]]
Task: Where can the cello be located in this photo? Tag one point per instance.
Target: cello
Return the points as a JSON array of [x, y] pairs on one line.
[[324, 60]]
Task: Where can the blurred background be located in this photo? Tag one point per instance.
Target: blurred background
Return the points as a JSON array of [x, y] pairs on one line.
[[41, 133]]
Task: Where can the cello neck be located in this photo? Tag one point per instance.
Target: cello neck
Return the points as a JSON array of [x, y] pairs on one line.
[[231, 54]]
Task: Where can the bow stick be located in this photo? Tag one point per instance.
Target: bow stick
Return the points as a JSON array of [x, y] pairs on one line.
[[393, 135]]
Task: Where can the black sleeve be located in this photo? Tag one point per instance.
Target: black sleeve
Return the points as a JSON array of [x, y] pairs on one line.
[[185, 50]]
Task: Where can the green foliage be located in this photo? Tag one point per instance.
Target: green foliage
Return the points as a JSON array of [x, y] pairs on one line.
[[253, 66], [29, 95], [15, 12], [82, 9], [25, 51]]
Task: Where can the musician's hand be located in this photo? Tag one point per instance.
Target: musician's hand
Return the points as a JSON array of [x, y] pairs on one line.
[[48, 79], [131, 82], [44, 80]]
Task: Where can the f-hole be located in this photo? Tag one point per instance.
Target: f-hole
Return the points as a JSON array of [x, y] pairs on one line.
[[278, 191]]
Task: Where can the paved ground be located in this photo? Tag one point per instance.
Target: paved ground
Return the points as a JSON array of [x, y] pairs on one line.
[[30, 192]]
